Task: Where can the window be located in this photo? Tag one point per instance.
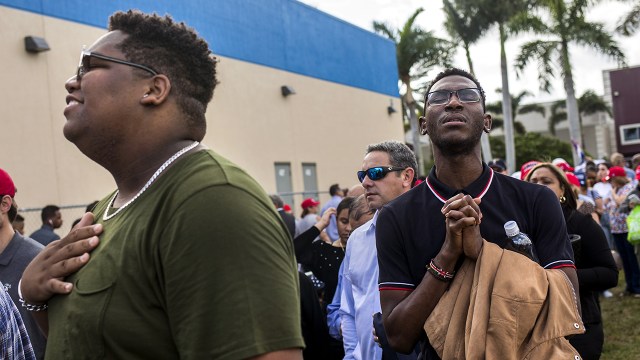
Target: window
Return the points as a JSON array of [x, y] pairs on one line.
[[310, 180], [283, 182], [630, 134]]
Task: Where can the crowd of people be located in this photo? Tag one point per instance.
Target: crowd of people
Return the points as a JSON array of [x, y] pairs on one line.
[[189, 258]]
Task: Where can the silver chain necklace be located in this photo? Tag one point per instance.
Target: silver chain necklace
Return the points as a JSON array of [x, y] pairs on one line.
[[153, 178]]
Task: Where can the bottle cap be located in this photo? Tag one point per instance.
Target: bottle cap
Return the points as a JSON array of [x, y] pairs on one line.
[[511, 228]]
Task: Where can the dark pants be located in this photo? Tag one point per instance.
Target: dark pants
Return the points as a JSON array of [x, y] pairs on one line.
[[589, 344], [629, 263]]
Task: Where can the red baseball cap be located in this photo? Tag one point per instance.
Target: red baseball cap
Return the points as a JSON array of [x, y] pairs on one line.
[[526, 167], [562, 164], [573, 179], [7, 187], [309, 202], [286, 207], [615, 171]]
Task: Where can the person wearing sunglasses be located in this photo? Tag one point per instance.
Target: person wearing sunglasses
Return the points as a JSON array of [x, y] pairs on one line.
[[423, 235], [188, 258], [388, 171]]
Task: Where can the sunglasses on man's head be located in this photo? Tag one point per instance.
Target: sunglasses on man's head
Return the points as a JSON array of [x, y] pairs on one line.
[[441, 97], [85, 63], [377, 173]]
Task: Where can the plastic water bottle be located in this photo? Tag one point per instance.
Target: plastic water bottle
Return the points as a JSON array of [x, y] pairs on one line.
[[518, 241]]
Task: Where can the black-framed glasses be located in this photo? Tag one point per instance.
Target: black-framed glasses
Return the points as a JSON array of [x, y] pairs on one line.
[[442, 97], [85, 63], [377, 172]]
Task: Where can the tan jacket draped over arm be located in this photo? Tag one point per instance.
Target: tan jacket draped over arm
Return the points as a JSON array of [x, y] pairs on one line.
[[505, 306]]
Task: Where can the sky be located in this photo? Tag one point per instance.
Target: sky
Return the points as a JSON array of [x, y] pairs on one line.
[[587, 63]]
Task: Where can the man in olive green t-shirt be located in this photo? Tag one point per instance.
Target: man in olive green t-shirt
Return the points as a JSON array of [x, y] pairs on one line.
[[187, 259]]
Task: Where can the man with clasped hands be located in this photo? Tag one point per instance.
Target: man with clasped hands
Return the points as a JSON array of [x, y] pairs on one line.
[[424, 233]]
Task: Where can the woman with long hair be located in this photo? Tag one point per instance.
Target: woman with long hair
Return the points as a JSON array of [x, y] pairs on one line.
[[595, 266]]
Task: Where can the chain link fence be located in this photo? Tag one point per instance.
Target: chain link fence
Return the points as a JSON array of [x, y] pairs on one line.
[[33, 222]]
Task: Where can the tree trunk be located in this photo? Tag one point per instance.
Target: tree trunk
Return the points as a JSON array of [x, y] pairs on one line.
[[582, 141], [575, 132], [468, 53], [506, 105], [484, 140], [410, 103]]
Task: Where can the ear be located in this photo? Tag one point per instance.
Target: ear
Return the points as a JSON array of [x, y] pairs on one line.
[[487, 121], [407, 176], [423, 125], [157, 92], [5, 204]]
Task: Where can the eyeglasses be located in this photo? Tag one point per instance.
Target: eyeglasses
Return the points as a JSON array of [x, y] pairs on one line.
[[377, 173], [442, 97], [85, 63]]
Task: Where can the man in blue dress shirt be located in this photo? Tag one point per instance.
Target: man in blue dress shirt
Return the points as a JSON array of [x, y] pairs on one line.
[[388, 171]]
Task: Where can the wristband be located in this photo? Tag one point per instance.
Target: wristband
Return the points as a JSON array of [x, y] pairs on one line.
[[440, 273], [26, 305]]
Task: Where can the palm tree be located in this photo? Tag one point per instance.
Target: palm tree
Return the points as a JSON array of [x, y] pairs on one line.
[[496, 109], [565, 24], [465, 27], [558, 114], [588, 103], [417, 52], [462, 24], [504, 14], [630, 22]]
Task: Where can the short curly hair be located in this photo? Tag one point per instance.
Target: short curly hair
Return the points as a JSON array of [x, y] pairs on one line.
[[459, 72], [175, 50]]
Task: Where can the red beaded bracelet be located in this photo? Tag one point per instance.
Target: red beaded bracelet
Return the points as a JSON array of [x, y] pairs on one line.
[[440, 273]]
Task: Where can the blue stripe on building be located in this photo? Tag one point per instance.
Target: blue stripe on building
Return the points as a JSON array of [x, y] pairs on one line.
[[282, 34]]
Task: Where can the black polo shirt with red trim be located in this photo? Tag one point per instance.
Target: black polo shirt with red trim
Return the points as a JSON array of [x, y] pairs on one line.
[[411, 229]]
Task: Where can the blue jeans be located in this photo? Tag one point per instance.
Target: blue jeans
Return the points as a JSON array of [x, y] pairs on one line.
[[604, 224], [629, 262]]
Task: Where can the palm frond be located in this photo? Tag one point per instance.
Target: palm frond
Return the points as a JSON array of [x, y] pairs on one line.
[[558, 114], [519, 128], [462, 21], [523, 94], [590, 103], [629, 23], [529, 108], [542, 52], [527, 22], [494, 108], [417, 50], [593, 35], [385, 30], [576, 9]]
